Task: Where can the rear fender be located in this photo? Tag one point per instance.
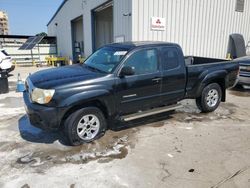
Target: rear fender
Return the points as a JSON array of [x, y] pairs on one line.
[[219, 77]]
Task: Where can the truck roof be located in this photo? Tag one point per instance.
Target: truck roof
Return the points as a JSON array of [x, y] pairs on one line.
[[132, 45]]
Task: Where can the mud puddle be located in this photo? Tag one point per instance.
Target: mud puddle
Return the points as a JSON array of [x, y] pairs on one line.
[[190, 113], [114, 145]]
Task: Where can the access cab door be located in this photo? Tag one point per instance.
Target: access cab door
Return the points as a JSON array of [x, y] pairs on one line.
[[173, 74], [141, 90]]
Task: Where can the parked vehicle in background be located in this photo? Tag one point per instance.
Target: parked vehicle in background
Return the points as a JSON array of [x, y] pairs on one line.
[[123, 82], [5, 62], [238, 51], [244, 77]]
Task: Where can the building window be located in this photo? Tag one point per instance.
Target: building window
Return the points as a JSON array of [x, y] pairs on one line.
[[239, 7]]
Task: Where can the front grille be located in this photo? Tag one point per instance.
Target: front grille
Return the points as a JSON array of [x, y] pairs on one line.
[[35, 118], [245, 68]]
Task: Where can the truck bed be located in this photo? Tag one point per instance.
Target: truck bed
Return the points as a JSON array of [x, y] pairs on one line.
[[195, 60], [200, 68]]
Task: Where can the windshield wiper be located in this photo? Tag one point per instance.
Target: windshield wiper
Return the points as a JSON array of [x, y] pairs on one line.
[[95, 69]]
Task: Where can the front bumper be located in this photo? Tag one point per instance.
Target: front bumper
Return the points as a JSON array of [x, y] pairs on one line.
[[43, 117]]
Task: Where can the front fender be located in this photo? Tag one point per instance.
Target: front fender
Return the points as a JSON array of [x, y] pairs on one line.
[[86, 96]]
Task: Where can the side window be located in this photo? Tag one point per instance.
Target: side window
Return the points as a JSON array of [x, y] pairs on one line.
[[170, 58], [143, 61]]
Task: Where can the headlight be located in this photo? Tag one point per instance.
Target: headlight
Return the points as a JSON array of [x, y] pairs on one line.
[[42, 96]]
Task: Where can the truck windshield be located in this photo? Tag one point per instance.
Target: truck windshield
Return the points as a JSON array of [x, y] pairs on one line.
[[105, 59]]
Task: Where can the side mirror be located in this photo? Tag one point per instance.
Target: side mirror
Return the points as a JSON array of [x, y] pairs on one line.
[[127, 71]]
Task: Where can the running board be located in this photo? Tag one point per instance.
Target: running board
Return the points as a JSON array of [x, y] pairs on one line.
[[150, 112]]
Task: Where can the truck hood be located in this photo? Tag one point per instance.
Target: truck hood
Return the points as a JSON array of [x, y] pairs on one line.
[[54, 77]]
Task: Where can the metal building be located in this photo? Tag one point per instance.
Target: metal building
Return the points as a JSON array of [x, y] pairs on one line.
[[201, 27]]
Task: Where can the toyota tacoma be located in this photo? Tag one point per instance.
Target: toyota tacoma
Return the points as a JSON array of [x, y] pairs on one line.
[[123, 82]]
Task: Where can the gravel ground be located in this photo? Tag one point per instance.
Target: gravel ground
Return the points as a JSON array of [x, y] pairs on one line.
[[181, 149]]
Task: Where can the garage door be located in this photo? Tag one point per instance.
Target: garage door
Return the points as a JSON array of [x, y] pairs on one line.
[[77, 38], [103, 25]]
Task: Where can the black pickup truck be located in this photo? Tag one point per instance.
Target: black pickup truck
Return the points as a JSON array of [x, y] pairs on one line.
[[123, 82]]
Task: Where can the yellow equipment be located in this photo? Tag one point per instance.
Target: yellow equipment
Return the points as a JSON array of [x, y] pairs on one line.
[[52, 61]]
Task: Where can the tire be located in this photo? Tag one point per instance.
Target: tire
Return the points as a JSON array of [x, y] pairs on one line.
[[210, 98], [79, 128]]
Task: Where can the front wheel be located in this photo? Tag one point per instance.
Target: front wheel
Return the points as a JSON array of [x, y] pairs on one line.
[[85, 125], [210, 98]]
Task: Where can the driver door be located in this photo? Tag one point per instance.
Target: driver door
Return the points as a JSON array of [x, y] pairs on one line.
[[141, 90]]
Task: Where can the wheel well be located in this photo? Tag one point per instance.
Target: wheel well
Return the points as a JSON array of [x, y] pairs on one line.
[[94, 103], [221, 83]]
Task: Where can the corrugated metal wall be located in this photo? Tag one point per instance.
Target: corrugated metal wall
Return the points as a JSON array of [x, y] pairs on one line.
[[60, 26], [122, 19], [201, 27]]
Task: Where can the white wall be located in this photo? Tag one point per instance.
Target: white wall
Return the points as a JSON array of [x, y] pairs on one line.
[[201, 27], [73, 9], [123, 24]]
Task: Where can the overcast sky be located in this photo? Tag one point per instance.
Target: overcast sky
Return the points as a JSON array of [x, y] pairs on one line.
[[29, 17]]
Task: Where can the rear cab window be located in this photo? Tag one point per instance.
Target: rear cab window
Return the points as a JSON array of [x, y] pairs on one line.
[[169, 58]]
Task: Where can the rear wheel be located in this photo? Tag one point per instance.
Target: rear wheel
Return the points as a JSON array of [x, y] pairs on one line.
[[85, 125], [210, 98]]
